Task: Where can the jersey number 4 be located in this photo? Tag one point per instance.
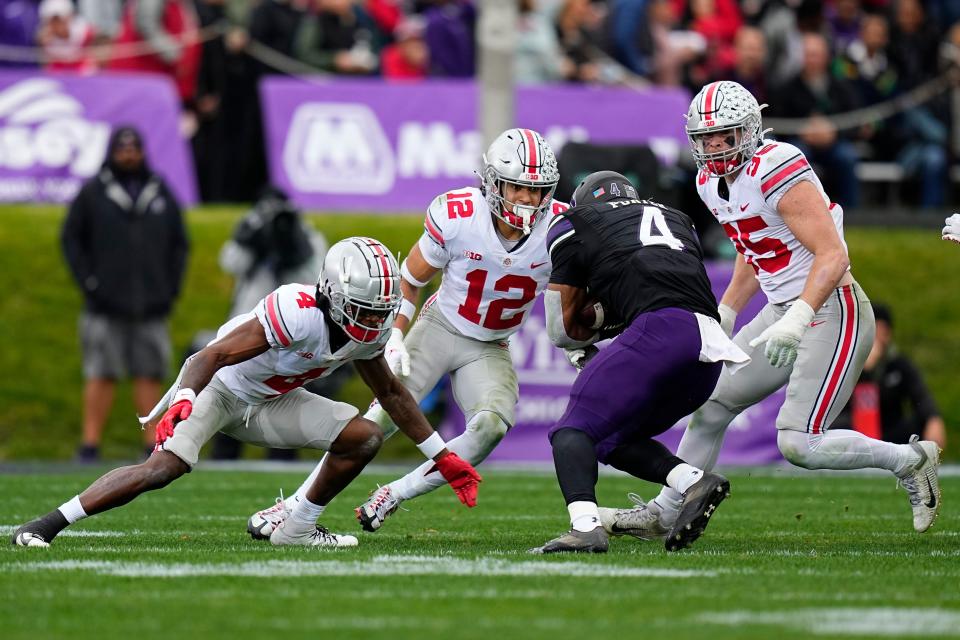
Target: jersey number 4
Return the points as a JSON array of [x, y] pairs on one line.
[[653, 221], [494, 319]]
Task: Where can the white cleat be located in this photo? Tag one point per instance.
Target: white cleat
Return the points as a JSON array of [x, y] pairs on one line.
[[641, 521], [294, 534], [378, 507], [28, 539], [923, 484], [261, 524]]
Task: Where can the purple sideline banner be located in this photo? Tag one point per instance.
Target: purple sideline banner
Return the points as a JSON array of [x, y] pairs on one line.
[[54, 130], [377, 146], [546, 376]]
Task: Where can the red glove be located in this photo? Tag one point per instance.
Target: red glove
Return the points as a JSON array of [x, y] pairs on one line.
[[179, 411], [461, 476]]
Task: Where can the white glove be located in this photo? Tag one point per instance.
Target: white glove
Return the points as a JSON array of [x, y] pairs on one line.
[[783, 336], [580, 357], [727, 318], [952, 230], [398, 359]]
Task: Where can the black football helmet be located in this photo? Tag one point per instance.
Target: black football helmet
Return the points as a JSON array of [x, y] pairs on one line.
[[603, 186]]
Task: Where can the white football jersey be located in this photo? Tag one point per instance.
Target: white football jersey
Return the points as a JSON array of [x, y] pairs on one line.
[[486, 290], [752, 222], [299, 346]]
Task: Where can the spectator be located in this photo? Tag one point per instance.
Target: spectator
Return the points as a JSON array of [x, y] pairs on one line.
[[538, 58], [913, 44], [451, 25], [891, 401], [914, 139], [749, 58], [103, 15], [408, 57], [19, 21], [126, 246], [577, 24], [630, 40], [169, 27], [814, 94], [673, 49], [65, 38], [843, 18], [717, 21], [338, 37], [777, 19]]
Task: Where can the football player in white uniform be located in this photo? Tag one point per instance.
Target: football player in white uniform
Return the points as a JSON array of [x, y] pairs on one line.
[[490, 245], [816, 330], [247, 382]]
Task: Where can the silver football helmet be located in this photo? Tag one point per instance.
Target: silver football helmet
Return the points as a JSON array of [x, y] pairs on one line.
[[724, 106], [522, 157], [361, 280]]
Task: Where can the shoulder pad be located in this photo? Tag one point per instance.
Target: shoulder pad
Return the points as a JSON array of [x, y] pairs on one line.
[[778, 164], [445, 213]]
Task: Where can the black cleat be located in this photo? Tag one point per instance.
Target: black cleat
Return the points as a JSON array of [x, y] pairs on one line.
[[39, 532], [699, 503], [575, 541]]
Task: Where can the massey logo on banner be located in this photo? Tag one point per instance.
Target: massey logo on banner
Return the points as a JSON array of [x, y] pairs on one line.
[[375, 146], [54, 131]]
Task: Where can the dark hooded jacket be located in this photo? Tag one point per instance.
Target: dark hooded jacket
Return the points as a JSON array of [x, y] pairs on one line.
[[125, 242]]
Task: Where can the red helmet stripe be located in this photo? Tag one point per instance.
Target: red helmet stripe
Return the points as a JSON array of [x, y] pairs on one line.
[[708, 96], [387, 280], [532, 150]]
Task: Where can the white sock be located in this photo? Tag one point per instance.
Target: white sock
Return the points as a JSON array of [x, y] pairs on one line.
[[72, 510], [469, 445], [294, 500], [682, 477], [584, 516], [306, 512], [669, 500]]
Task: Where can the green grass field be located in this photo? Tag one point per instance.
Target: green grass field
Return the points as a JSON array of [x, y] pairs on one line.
[[787, 556]]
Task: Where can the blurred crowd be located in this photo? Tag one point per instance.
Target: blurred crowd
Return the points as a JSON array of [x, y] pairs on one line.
[[806, 58]]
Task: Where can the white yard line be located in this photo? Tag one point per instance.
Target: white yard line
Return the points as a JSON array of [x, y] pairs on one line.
[[874, 621], [386, 565]]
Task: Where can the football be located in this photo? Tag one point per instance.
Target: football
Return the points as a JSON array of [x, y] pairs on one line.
[[592, 314]]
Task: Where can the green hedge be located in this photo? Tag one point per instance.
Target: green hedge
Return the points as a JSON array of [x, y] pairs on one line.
[[40, 389]]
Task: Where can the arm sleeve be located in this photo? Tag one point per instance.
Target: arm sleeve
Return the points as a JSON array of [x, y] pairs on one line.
[[564, 248]]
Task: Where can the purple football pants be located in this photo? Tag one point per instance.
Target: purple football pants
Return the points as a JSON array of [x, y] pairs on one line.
[[643, 383]]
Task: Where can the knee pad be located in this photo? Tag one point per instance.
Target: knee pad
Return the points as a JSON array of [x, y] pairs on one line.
[[488, 426], [795, 447]]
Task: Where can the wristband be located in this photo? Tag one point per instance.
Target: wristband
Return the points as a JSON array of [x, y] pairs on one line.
[[406, 275], [598, 315], [184, 394], [407, 309], [432, 445]]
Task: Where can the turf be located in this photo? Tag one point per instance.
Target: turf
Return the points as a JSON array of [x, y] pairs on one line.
[[787, 556]]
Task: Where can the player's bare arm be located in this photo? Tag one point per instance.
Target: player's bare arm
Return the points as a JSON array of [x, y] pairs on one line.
[[396, 400], [243, 343], [807, 217]]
